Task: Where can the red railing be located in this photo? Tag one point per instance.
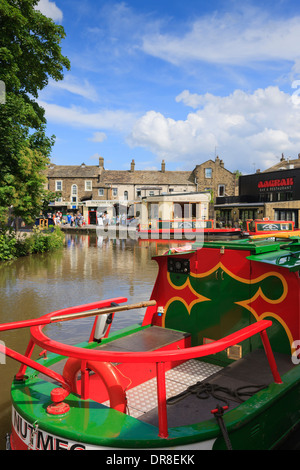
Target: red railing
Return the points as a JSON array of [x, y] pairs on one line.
[[157, 357]]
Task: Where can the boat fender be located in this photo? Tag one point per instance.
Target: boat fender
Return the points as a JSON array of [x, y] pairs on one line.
[[8, 444], [103, 321], [107, 372]]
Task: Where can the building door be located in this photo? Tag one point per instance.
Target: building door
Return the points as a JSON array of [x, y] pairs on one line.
[[92, 217]]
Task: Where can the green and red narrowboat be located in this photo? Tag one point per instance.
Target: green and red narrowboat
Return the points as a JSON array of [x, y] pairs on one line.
[[213, 365], [187, 228], [266, 226]]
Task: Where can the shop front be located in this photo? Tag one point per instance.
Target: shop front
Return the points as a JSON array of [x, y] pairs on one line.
[[273, 195], [113, 210]]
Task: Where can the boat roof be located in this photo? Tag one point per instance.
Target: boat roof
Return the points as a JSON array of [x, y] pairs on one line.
[[281, 251]]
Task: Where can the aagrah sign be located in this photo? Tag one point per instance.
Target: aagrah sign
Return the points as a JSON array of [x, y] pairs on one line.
[[278, 184]]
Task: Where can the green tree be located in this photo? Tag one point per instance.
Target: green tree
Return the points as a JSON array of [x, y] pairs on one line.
[[49, 196], [30, 54], [238, 173]]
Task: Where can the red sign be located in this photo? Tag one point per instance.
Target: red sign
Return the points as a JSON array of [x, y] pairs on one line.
[[276, 183]]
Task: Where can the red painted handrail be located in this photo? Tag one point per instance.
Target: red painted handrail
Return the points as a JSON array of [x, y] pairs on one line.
[[158, 357], [34, 365], [149, 356]]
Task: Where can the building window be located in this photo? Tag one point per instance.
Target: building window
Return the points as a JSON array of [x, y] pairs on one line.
[[221, 190], [151, 193], [126, 195], [58, 185], [101, 192], [246, 214], [208, 172], [115, 191], [88, 186], [138, 193], [74, 189], [286, 214]]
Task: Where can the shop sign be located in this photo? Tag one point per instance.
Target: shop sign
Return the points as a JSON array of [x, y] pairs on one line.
[[282, 183]]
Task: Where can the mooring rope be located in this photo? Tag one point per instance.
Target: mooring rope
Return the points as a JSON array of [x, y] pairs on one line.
[[204, 390]]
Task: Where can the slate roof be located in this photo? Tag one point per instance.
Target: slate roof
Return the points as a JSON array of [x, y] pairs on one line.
[[147, 177], [136, 177], [72, 171], [284, 164]]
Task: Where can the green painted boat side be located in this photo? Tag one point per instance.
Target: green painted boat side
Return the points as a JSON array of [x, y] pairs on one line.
[[251, 425]]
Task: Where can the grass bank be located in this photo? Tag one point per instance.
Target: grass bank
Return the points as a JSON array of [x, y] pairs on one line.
[[13, 245]]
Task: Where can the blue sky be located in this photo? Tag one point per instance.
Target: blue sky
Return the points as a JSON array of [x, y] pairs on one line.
[[174, 80]]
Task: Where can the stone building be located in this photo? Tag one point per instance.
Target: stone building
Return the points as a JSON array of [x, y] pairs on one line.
[[91, 187], [273, 194], [213, 176]]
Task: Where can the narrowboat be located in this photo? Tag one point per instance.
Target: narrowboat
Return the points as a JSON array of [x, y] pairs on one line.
[[184, 229], [213, 365], [266, 226]]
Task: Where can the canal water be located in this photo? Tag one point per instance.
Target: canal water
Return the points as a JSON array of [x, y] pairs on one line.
[[88, 269]]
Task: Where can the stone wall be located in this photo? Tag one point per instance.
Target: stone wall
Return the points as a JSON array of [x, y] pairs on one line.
[[211, 175]]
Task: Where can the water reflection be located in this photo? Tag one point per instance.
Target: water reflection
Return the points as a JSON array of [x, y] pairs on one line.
[[88, 269]]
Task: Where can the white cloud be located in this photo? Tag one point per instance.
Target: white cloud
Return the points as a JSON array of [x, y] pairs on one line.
[[50, 9], [75, 86], [189, 99], [117, 120], [235, 38], [245, 129], [98, 137]]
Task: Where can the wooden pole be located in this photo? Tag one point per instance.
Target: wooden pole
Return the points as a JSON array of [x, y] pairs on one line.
[[101, 311], [71, 316]]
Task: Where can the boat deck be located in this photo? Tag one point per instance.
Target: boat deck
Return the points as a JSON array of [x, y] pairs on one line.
[[141, 400], [252, 371]]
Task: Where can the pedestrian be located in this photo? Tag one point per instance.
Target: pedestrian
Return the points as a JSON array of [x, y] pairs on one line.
[[100, 220]]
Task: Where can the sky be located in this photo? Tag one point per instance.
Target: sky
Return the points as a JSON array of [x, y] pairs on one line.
[[180, 81]]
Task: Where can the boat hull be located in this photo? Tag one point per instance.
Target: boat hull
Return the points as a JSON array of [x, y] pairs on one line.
[[92, 426]]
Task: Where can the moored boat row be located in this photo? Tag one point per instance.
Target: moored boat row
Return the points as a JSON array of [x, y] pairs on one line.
[[192, 228]]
